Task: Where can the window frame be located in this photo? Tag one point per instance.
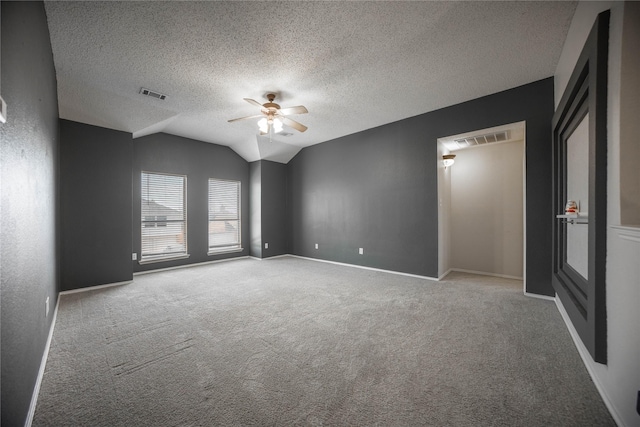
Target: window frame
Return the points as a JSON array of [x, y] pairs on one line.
[[161, 221], [235, 247]]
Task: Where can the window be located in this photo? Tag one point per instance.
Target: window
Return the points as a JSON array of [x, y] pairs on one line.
[[164, 217], [224, 216]]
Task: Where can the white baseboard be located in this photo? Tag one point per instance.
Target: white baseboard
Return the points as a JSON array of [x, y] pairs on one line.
[[484, 273], [364, 268], [93, 288], [270, 257], [43, 364], [545, 297], [275, 256], [443, 275], [586, 360]]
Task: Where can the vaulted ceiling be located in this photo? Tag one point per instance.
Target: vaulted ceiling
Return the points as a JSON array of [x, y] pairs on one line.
[[354, 65]]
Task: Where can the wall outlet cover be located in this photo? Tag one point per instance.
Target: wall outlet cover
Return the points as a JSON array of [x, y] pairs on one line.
[[266, 246], [316, 246], [361, 251], [134, 256]]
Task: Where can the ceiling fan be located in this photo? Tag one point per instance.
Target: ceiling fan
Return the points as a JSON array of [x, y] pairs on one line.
[[273, 117]]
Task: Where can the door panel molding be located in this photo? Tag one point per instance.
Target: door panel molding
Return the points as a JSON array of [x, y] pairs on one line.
[[586, 94]]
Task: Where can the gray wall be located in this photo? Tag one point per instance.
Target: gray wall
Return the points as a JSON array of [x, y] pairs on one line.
[[274, 209], [95, 205], [199, 161], [377, 189], [269, 213], [28, 154], [255, 206]]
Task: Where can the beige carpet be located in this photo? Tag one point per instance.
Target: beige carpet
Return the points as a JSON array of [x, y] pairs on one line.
[[297, 342]]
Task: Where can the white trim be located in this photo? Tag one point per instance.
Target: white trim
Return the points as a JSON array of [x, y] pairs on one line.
[[586, 360], [224, 251], [545, 297], [484, 273], [276, 256], [443, 275], [365, 268], [271, 257], [138, 273], [162, 258], [627, 233], [43, 364], [3, 111], [92, 288], [524, 210]]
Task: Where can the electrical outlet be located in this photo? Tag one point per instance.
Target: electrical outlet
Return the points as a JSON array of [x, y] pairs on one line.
[[46, 307], [316, 246], [361, 251], [134, 256], [266, 246]]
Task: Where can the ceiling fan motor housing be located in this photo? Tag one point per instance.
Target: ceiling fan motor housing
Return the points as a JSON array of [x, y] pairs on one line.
[[271, 104]]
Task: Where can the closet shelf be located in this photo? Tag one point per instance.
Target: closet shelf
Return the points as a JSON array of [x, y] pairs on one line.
[[575, 218]]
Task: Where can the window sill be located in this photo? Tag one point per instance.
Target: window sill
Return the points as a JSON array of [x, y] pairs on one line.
[[224, 251], [151, 260]]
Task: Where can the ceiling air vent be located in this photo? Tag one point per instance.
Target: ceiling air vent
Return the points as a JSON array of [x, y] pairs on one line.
[[284, 134], [482, 139], [152, 94]]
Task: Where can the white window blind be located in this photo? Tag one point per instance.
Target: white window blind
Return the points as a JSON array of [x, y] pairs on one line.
[[224, 215], [164, 215]]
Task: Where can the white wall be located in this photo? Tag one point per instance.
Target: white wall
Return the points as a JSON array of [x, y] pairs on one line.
[[629, 123], [487, 209], [619, 380]]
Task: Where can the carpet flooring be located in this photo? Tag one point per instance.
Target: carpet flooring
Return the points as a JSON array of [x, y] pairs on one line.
[[289, 341]]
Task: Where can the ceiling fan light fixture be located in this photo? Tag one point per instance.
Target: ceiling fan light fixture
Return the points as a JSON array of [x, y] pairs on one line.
[[448, 160], [277, 125], [263, 125]]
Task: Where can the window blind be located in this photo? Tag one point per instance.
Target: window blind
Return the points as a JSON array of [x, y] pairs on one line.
[[164, 215], [224, 215]]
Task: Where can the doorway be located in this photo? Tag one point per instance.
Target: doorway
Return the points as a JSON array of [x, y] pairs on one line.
[[481, 207]]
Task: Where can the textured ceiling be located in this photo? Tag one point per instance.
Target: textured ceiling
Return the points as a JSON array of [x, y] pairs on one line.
[[354, 65]]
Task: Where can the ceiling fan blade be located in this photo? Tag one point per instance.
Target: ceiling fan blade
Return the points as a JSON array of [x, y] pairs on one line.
[[244, 118], [253, 101], [300, 109], [293, 124]]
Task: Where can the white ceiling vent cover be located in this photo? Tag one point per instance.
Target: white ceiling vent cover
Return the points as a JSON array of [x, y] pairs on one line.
[[482, 139], [153, 94]]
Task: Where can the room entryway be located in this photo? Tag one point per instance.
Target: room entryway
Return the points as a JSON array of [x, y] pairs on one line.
[[482, 202]]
